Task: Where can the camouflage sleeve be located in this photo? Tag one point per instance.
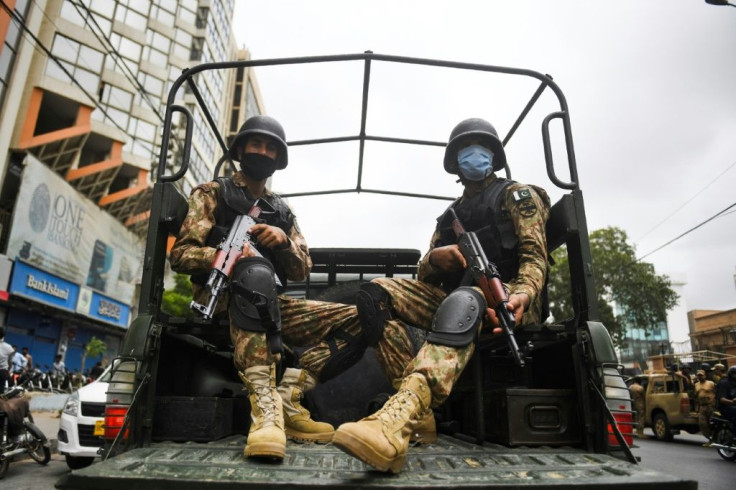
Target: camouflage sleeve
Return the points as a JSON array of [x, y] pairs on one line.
[[295, 259], [529, 210], [189, 255], [427, 272]]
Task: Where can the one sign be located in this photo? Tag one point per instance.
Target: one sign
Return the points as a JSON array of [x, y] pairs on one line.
[[62, 232]]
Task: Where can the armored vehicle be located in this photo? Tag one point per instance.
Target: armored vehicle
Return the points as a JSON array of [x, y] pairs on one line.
[[176, 414]]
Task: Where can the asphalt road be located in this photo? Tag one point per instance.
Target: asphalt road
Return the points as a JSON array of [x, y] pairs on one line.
[[687, 458]]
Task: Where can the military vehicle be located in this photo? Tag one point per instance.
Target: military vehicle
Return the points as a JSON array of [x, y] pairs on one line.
[[176, 416], [669, 407]]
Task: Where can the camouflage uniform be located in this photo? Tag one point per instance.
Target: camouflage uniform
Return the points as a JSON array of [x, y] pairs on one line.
[[706, 392], [303, 322], [415, 301], [637, 400]]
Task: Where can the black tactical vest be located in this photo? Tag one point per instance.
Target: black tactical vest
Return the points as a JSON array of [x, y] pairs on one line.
[[232, 201], [482, 214]]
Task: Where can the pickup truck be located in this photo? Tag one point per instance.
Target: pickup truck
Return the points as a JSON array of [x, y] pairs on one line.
[[669, 408], [176, 415]]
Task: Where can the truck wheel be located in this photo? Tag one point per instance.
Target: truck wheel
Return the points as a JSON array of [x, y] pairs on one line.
[[661, 428], [723, 436]]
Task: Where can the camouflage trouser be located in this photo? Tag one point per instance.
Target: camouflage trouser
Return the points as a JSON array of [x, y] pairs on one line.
[[307, 322], [706, 410], [640, 417], [303, 323]]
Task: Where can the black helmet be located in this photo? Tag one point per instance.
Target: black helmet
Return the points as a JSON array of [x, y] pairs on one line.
[[478, 129], [731, 372], [265, 125]]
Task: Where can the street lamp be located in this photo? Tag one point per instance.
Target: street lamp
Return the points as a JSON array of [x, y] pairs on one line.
[[720, 3]]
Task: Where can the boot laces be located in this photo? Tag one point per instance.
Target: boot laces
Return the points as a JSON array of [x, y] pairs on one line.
[[399, 406], [266, 402]]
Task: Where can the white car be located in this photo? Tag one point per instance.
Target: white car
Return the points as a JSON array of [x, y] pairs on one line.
[[80, 428]]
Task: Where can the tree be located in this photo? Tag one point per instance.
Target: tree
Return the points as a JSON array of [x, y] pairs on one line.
[[95, 347], [176, 301], [642, 296]]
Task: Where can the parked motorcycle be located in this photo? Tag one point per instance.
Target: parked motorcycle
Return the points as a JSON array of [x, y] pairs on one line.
[[18, 433], [723, 438]]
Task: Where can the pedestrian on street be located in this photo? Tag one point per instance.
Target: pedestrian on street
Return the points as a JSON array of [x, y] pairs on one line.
[[6, 353], [706, 393]]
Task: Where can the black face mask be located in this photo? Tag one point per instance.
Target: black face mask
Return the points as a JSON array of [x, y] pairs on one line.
[[257, 166]]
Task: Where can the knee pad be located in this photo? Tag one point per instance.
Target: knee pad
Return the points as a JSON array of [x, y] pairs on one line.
[[374, 308], [342, 360], [254, 300], [458, 317]]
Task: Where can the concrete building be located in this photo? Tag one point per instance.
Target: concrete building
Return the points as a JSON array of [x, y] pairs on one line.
[[83, 87], [713, 331]]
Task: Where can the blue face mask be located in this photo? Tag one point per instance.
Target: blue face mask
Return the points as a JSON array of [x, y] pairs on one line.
[[474, 162]]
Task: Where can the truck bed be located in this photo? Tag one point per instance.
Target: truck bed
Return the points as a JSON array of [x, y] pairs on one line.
[[448, 463]]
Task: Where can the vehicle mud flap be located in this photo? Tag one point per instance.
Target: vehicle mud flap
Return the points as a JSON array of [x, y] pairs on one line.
[[614, 426]]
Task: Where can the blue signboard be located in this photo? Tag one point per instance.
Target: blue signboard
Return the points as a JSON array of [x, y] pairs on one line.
[[43, 287], [103, 308], [108, 310]]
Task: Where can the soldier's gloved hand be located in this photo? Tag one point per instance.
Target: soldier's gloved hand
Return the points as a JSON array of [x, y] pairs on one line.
[[269, 236], [448, 258]]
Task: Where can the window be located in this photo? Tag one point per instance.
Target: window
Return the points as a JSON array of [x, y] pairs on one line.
[[132, 12], [116, 97], [82, 62], [196, 52], [202, 13], [163, 11]]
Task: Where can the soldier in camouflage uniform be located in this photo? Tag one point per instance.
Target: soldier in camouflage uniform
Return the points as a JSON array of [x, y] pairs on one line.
[[706, 392], [260, 147], [509, 219]]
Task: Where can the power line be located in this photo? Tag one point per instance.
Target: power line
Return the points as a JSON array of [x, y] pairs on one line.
[[118, 58], [686, 202], [21, 23], [718, 214]]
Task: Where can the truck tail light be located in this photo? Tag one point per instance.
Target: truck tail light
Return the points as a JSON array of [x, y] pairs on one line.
[[685, 405], [120, 392], [625, 424], [114, 419]]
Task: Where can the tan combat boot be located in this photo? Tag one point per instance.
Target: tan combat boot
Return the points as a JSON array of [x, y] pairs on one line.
[[382, 439], [266, 436], [297, 420], [425, 430]]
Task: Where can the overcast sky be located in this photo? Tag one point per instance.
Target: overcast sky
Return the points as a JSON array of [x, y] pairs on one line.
[[650, 85]]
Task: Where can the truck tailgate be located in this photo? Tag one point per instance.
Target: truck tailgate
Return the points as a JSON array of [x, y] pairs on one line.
[[448, 463]]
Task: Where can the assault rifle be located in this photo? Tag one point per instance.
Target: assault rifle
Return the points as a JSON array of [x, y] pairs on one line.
[[485, 275], [228, 253]]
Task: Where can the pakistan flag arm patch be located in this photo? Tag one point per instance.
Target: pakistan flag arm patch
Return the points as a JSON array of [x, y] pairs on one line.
[[523, 199]]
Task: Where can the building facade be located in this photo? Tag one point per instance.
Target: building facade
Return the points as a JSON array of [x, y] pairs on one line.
[[83, 90], [713, 330]]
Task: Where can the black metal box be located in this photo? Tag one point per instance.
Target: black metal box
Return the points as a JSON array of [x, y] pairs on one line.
[[532, 417], [186, 418]]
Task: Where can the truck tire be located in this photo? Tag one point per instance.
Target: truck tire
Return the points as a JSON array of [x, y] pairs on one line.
[[661, 427]]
